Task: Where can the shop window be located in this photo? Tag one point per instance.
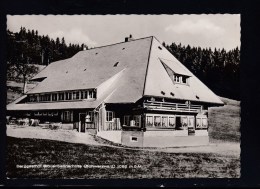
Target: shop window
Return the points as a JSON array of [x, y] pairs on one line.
[[157, 121], [109, 116], [149, 121]]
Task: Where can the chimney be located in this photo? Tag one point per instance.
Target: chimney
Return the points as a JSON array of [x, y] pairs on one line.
[[130, 38]]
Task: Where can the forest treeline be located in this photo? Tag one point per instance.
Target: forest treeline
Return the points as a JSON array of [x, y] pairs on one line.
[[218, 68]]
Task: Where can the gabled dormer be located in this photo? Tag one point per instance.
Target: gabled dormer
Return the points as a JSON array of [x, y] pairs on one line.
[[178, 75]]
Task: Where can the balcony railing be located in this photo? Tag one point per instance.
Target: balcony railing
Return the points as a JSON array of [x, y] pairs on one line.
[[168, 106]]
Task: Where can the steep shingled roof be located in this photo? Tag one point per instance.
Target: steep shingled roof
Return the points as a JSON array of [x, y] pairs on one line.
[[90, 68], [158, 80], [141, 62]]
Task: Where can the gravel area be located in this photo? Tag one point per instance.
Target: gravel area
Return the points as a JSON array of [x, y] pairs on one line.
[[72, 136], [38, 132]]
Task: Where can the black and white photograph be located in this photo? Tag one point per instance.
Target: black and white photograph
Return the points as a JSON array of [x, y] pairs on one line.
[[123, 96]]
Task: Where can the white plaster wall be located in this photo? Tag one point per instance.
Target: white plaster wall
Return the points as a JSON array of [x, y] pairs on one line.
[[175, 141], [166, 133], [201, 133], [113, 136]]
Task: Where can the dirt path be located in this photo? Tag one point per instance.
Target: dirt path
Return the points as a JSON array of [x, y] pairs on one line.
[[229, 149]]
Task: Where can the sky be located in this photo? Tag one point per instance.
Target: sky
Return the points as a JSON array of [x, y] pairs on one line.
[[215, 30]]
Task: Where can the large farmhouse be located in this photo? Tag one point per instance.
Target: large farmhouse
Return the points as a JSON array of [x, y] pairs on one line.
[[135, 93]]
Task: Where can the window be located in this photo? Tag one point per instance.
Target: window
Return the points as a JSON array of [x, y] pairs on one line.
[[184, 122], [82, 94], [149, 121], [116, 64], [67, 116], [68, 95], [157, 121], [171, 121], [204, 122], [137, 119], [176, 78], [54, 97], [184, 80], [110, 116], [41, 98], [76, 95], [47, 97], [198, 124], [61, 96], [32, 98], [133, 139], [180, 79], [91, 114], [191, 121], [86, 95], [90, 94], [164, 121], [127, 120]]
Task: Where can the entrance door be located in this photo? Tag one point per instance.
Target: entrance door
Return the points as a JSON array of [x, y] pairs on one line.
[[82, 118], [191, 128], [178, 122]]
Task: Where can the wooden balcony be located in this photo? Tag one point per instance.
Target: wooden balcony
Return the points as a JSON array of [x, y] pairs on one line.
[[174, 107]]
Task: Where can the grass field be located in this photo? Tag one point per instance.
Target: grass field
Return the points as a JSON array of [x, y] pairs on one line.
[[224, 122], [149, 164], [224, 125]]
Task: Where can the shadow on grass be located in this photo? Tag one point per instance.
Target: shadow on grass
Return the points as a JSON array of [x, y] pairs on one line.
[[116, 162]]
